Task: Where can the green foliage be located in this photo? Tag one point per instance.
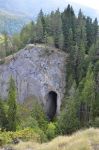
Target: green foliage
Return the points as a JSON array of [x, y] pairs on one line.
[[68, 121], [56, 28], [3, 117], [50, 41], [24, 116], [68, 23], [87, 97], [51, 131], [25, 135], [42, 134], [39, 115], [16, 42], [12, 110], [94, 58], [77, 36], [96, 122], [88, 91], [31, 114], [80, 107], [27, 34]]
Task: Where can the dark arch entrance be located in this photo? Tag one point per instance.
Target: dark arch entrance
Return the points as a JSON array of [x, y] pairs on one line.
[[51, 105]]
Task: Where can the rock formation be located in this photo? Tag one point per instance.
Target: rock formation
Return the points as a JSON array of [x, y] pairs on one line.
[[38, 72]]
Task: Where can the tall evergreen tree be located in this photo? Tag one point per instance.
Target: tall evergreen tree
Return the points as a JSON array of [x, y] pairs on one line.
[[39, 30], [12, 110], [42, 17], [95, 30], [68, 23], [56, 28], [41, 27], [94, 58], [88, 95], [92, 32], [3, 118], [81, 37]]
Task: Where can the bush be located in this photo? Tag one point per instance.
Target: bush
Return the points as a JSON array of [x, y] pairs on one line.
[[38, 114], [68, 121], [24, 135], [31, 114], [51, 131], [42, 135], [96, 122]]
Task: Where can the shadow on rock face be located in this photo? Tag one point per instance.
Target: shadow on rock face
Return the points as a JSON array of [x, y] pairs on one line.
[[51, 105]]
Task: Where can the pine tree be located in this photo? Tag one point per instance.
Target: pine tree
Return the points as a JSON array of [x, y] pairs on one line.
[[81, 30], [54, 29], [12, 110], [3, 118], [89, 33], [95, 30], [41, 15], [87, 97], [58, 35], [41, 27], [39, 31], [94, 58], [68, 23]]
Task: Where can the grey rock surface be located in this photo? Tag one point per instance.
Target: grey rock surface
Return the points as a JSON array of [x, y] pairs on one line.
[[36, 71]]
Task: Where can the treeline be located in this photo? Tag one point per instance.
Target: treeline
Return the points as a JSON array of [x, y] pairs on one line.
[[77, 36], [61, 30]]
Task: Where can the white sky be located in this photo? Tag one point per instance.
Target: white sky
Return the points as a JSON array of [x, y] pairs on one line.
[[94, 4]]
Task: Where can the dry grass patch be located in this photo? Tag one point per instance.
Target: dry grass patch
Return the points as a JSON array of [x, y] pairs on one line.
[[82, 140]]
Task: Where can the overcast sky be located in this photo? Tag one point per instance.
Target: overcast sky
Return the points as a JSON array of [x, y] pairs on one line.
[[89, 7], [32, 7], [94, 4], [89, 3]]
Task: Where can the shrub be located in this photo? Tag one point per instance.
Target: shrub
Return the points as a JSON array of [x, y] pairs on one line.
[[42, 134], [51, 131], [68, 121], [39, 115], [96, 122], [24, 135]]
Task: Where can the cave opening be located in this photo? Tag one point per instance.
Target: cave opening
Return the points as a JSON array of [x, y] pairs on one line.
[[51, 105]]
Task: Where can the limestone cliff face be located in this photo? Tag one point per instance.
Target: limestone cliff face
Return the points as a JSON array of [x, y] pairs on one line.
[[36, 72]]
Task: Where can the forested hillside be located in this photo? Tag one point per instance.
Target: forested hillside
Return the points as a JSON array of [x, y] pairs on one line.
[[78, 37], [12, 23]]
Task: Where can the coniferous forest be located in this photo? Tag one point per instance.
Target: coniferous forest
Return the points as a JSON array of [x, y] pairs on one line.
[[78, 37]]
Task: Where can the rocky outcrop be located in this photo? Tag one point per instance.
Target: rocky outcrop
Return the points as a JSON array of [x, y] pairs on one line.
[[37, 71]]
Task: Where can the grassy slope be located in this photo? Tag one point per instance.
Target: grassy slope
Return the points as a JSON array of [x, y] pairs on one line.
[[82, 140]]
